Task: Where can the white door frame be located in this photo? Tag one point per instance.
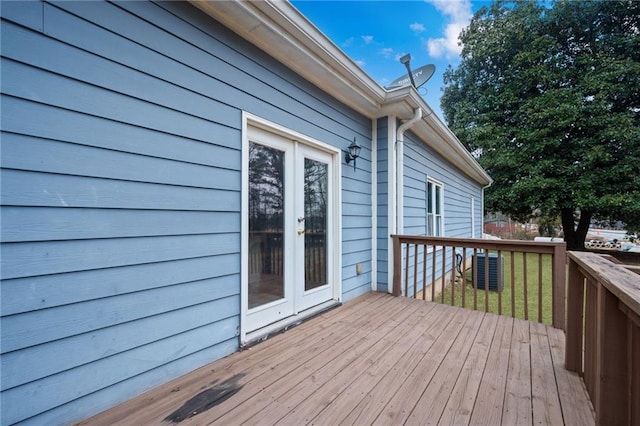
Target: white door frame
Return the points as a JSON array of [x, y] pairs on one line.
[[334, 228]]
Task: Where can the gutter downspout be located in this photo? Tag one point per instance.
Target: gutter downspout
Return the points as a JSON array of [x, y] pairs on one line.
[[399, 225]]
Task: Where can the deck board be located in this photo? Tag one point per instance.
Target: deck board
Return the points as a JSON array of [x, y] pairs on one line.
[[463, 395], [383, 360], [490, 400], [517, 397], [545, 399], [431, 404]]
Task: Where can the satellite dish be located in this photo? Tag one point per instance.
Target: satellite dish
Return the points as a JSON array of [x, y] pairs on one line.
[[420, 77]]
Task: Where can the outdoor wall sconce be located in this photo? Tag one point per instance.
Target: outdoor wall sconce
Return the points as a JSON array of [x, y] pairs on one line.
[[353, 153]]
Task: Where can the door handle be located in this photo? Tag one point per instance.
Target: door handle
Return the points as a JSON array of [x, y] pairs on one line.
[[301, 231]]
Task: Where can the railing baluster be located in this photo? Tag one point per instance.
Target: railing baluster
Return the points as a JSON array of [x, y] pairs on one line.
[[500, 281], [464, 274], [406, 271], [433, 273], [558, 285], [474, 263], [486, 280], [443, 273], [415, 271], [513, 285], [453, 275], [424, 272], [524, 279], [539, 287]]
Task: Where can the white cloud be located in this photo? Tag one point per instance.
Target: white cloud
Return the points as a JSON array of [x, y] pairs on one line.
[[348, 42], [360, 63], [458, 14], [417, 27], [367, 39], [387, 52]]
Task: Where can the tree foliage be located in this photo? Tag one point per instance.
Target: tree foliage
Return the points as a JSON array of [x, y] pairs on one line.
[[549, 100]]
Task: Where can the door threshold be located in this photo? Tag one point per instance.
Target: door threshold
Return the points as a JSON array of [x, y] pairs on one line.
[[262, 334]]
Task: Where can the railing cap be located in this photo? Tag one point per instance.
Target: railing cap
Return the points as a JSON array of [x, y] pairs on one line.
[[506, 245], [624, 284]]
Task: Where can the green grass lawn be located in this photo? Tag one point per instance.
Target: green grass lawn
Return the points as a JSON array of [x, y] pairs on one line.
[[503, 298]]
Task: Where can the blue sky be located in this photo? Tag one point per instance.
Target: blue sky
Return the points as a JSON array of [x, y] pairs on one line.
[[375, 34]]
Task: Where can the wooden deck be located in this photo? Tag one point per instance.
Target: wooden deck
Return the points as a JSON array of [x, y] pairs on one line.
[[379, 360]]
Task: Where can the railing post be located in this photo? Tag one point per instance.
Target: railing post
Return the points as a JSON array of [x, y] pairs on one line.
[[397, 266], [559, 286], [574, 326], [611, 399]]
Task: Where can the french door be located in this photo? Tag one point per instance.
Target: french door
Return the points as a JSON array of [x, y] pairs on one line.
[[290, 215]]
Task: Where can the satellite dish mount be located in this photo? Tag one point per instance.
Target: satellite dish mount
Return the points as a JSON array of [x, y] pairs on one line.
[[417, 77], [406, 60]]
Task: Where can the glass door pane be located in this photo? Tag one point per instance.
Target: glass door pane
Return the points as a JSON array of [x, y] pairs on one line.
[[266, 224], [315, 222]]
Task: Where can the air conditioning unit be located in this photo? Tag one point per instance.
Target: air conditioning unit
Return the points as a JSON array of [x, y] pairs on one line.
[[492, 259]]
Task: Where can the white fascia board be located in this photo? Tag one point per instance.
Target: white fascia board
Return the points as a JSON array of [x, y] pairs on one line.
[[280, 30]]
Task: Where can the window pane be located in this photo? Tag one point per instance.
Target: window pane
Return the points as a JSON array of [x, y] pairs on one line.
[[439, 225], [430, 224], [266, 224], [316, 185], [438, 199], [429, 197]]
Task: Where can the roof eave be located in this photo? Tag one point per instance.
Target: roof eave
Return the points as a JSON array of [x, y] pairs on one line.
[[283, 32], [279, 29]]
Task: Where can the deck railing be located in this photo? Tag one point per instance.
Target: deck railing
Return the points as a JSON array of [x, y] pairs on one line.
[[603, 335], [531, 273]]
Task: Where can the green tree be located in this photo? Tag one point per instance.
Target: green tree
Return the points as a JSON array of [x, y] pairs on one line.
[[548, 98]]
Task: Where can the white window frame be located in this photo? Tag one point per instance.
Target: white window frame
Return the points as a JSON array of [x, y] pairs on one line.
[[431, 219]]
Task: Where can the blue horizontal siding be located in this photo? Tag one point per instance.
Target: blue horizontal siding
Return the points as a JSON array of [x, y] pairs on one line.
[[121, 201], [53, 391], [55, 257], [421, 163], [112, 340], [22, 224], [38, 327], [22, 295], [104, 133], [37, 189], [101, 400]]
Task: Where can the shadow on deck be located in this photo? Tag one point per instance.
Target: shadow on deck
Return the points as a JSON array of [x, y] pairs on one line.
[[384, 360]]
